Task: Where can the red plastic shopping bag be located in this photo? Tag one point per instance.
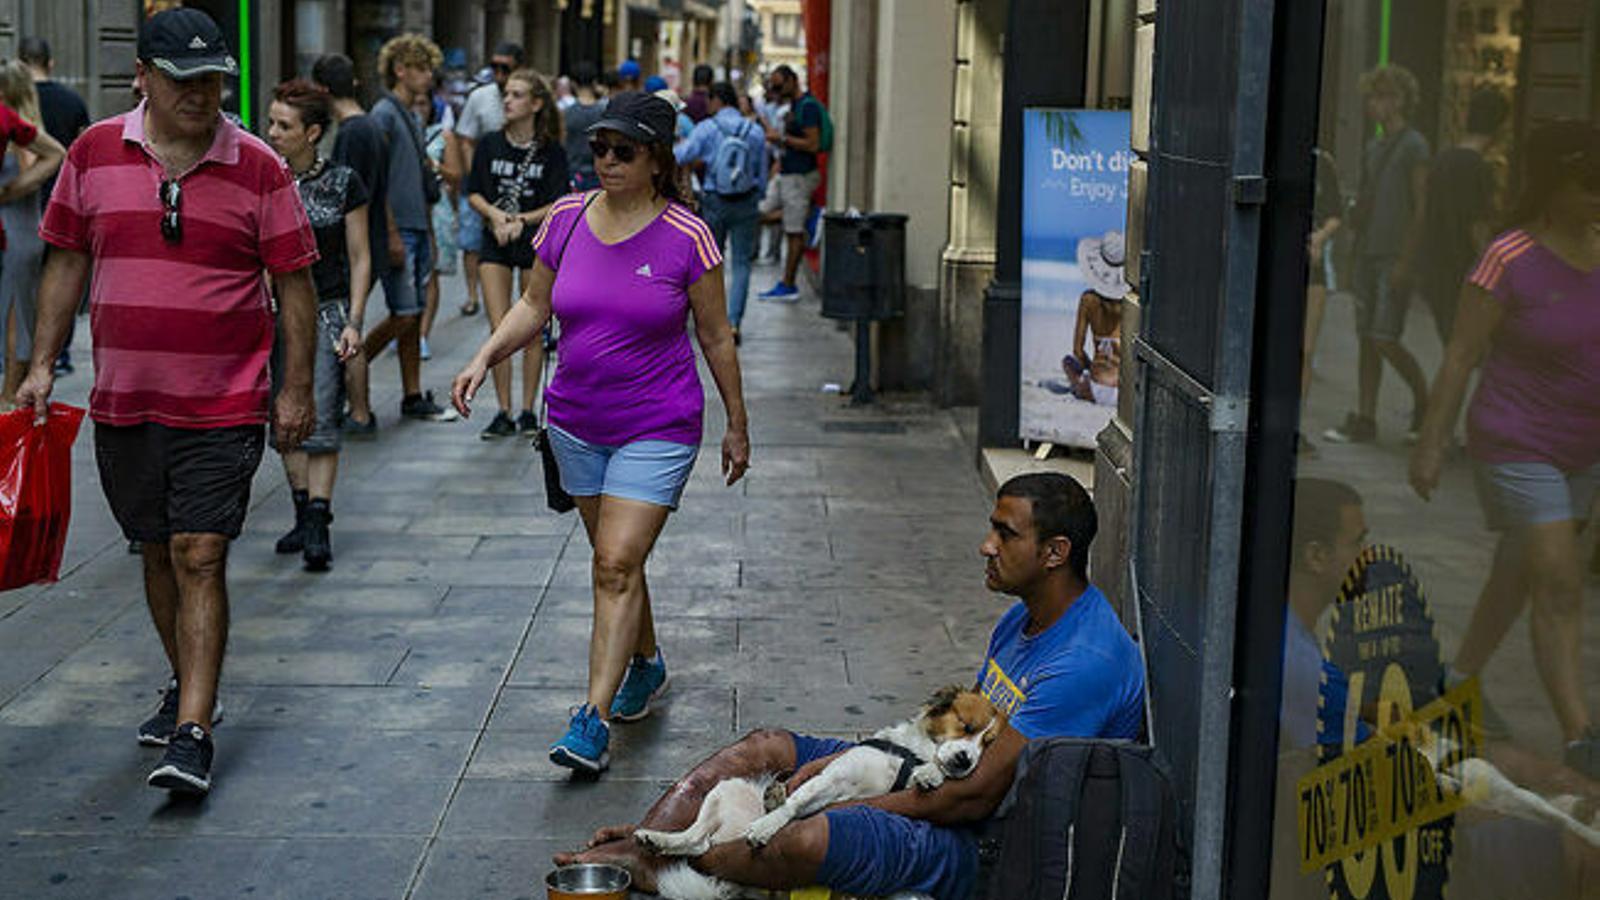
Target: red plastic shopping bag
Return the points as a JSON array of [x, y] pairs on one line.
[[35, 493]]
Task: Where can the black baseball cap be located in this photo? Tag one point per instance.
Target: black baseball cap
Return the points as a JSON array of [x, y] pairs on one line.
[[185, 43], [643, 117]]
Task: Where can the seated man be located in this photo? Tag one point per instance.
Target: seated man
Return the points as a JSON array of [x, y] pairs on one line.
[[1059, 663]]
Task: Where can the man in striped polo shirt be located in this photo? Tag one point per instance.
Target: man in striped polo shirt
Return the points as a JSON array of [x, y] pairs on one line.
[[178, 213]]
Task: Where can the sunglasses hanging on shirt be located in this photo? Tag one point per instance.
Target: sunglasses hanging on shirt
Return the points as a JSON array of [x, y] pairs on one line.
[[171, 195]]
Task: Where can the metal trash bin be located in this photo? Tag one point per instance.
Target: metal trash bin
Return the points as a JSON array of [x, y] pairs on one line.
[[863, 266]]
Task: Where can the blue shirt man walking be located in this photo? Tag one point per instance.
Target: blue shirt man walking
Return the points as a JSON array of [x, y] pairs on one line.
[[731, 149]]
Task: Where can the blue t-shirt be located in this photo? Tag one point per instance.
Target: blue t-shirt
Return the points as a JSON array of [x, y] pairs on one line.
[[1081, 677]]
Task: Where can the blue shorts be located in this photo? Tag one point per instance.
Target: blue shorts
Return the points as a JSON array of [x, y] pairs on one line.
[[405, 290], [872, 853], [647, 471], [1518, 494], [469, 230]]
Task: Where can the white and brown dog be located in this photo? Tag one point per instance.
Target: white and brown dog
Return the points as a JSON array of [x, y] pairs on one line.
[[945, 740]]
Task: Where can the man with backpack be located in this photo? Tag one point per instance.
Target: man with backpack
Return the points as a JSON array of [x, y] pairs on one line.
[[1059, 663], [807, 133], [730, 148]]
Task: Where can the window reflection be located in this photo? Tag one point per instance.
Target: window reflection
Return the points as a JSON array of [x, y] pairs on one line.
[[1442, 637]]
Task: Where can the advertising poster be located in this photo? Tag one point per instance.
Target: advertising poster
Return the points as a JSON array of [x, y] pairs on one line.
[[1074, 209]]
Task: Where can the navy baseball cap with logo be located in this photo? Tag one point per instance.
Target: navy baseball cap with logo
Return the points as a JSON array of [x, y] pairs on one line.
[[643, 117], [185, 43]]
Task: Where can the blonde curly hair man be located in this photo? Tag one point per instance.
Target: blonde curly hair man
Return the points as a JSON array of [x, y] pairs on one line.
[[408, 50], [407, 63]]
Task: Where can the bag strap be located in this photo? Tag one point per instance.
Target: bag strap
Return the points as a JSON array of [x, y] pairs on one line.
[[1143, 812], [544, 396], [412, 131]]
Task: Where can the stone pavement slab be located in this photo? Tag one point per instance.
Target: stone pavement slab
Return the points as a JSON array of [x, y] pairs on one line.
[[388, 722]]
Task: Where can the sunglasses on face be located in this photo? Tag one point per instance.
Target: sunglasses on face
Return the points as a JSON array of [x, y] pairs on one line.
[[625, 153], [171, 195], [502, 68]]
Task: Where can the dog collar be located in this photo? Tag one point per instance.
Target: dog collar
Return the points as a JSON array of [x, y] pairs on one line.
[[908, 760]]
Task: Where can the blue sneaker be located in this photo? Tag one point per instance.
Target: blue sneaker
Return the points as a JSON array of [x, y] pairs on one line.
[[780, 291], [644, 683], [583, 747]]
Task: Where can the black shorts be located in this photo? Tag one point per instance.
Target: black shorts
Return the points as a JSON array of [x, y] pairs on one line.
[[516, 255], [162, 481]]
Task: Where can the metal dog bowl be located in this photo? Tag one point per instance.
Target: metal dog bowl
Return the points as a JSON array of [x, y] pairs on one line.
[[588, 881]]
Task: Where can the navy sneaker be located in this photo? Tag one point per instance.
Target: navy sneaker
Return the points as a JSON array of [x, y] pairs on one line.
[[645, 682], [583, 747], [186, 766], [157, 730]]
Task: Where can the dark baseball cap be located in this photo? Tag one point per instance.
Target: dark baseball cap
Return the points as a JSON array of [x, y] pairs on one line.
[[185, 43], [643, 117]]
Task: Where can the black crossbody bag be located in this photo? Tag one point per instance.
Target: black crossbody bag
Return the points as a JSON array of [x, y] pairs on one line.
[[555, 496]]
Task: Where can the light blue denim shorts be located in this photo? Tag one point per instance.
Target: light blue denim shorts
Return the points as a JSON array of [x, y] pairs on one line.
[[647, 471], [1517, 494]]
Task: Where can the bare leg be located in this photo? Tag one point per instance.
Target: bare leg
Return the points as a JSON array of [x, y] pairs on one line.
[[161, 595], [496, 281], [294, 469], [469, 269], [1556, 582], [756, 753], [321, 471], [790, 861], [1410, 371], [1502, 600], [1369, 377], [791, 265], [624, 535], [1316, 302], [356, 382], [199, 561], [430, 310], [409, 347]]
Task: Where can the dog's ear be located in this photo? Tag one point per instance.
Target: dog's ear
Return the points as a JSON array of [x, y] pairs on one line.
[[942, 700]]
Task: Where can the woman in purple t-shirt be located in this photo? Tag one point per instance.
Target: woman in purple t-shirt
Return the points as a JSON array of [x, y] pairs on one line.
[[621, 268], [1530, 311]]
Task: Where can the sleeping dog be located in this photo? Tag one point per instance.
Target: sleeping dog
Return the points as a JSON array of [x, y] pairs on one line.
[[944, 740]]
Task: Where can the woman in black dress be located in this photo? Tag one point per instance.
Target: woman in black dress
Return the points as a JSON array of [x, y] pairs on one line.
[[517, 173]]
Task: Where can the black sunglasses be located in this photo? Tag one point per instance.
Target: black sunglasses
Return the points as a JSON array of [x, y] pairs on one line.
[[625, 152], [171, 195], [503, 68]]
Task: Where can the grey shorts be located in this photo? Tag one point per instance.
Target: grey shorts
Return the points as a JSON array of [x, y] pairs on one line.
[[792, 194], [1518, 494], [327, 381], [405, 290], [1380, 312]]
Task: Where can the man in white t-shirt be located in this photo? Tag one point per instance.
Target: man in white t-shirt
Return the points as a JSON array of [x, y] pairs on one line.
[[483, 112]]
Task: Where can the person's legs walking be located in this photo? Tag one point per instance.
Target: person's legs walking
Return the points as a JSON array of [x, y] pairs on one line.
[[496, 280], [199, 566], [742, 228], [1555, 584], [624, 536]]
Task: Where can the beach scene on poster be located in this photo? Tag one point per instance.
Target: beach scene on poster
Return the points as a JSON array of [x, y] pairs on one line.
[[1074, 210]]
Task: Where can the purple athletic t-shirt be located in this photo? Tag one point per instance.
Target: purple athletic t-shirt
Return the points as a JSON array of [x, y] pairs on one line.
[[625, 371], [1539, 397]]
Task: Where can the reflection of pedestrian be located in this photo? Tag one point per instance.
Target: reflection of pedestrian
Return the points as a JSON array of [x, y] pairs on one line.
[[1095, 374], [623, 269], [1530, 312], [1327, 211], [1459, 208], [201, 215], [1393, 180]]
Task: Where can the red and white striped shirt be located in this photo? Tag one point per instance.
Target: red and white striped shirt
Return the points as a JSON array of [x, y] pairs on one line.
[[182, 330]]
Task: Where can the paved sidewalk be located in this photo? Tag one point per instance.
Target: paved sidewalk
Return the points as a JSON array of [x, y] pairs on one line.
[[387, 722]]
